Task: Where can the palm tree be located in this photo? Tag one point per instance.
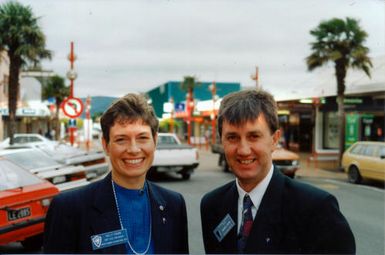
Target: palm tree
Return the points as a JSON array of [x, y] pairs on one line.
[[341, 42], [24, 41], [56, 88], [188, 84]]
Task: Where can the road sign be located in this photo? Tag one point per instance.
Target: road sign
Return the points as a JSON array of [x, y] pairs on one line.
[[72, 107]]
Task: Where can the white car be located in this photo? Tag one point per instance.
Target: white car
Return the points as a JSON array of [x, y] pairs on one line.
[[22, 139], [173, 156]]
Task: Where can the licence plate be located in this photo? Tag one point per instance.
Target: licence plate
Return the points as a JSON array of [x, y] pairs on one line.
[[19, 213]]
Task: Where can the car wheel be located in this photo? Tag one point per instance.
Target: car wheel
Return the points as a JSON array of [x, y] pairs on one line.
[[186, 176], [33, 243], [354, 175]]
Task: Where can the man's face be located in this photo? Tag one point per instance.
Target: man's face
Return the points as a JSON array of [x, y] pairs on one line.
[[248, 150], [131, 150]]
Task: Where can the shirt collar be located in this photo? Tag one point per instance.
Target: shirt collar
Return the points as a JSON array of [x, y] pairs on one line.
[[256, 194]]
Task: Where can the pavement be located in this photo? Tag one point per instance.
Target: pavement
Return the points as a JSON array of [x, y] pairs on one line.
[[324, 170]]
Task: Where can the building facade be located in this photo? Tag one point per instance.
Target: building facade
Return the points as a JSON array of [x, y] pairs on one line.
[[170, 103]]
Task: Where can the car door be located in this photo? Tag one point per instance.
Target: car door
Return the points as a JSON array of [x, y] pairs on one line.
[[377, 164]]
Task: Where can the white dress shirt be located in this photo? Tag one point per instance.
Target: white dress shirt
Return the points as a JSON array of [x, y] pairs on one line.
[[256, 195]]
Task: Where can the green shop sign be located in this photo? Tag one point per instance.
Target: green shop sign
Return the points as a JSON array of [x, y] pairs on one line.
[[351, 129]]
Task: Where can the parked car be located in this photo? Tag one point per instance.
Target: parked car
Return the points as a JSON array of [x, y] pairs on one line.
[[173, 156], [28, 139], [45, 167], [365, 160], [24, 201], [284, 160], [94, 162]]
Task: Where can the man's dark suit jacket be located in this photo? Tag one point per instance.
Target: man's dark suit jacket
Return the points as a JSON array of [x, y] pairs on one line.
[[292, 218], [75, 216]]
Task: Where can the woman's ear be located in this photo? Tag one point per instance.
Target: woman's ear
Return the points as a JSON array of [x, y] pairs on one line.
[[105, 146]]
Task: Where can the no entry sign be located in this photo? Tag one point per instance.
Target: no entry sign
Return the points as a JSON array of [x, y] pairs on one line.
[[72, 107]]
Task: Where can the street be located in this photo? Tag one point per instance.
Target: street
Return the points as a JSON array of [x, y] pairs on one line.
[[362, 205]]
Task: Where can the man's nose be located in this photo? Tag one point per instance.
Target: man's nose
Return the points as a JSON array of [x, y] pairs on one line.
[[243, 148]]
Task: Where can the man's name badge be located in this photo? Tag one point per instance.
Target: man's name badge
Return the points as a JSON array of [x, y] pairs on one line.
[[109, 239], [224, 227]]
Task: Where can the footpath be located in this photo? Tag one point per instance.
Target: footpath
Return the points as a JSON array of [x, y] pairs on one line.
[[324, 170]]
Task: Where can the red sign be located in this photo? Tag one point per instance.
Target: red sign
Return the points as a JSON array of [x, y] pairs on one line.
[[72, 107]]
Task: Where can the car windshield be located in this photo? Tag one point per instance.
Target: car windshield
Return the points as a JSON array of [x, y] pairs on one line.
[[31, 159], [13, 176], [163, 140]]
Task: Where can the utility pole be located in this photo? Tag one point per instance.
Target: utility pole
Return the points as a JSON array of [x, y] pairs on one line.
[[256, 77], [72, 75]]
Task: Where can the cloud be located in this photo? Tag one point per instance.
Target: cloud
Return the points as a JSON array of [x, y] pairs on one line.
[[137, 45]]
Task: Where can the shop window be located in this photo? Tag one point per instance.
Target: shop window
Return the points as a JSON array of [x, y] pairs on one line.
[[331, 140]]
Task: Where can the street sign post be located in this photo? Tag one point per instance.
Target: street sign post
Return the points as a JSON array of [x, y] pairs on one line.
[[72, 107]]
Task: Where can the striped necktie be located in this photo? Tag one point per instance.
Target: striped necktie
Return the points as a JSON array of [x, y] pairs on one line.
[[247, 223]]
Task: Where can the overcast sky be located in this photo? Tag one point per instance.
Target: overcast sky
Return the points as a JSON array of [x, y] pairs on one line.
[[134, 46]]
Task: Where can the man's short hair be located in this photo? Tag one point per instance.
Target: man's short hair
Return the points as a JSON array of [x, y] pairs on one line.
[[240, 107], [130, 108]]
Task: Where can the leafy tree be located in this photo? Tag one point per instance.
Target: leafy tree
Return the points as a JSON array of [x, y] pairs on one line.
[[55, 87], [22, 38], [341, 42]]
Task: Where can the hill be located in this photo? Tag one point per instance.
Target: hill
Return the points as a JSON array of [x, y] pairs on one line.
[[98, 104]]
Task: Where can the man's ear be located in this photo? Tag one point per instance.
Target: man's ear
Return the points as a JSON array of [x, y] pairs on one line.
[[105, 146], [276, 137]]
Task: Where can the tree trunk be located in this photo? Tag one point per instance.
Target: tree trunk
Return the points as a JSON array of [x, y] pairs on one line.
[[13, 93], [340, 75]]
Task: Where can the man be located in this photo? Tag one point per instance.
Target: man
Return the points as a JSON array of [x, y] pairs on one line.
[[263, 211], [122, 213]]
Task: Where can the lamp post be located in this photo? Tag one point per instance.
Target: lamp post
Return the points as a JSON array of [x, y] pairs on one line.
[[88, 120], [189, 110], [72, 75]]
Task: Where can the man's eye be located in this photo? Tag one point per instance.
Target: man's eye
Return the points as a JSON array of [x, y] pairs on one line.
[[254, 137], [231, 138]]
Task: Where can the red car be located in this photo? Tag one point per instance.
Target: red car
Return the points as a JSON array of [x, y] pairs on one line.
[[24, 201]]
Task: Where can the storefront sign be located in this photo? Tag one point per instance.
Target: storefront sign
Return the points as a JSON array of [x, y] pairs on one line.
[[351, 129]]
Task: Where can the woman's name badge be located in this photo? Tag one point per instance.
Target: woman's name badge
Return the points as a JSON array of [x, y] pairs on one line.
[[224, 227], [109, 239]]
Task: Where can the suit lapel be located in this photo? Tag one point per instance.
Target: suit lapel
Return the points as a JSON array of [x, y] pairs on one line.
[[266, 230], [229, 243], [104, 215], [159, 218]]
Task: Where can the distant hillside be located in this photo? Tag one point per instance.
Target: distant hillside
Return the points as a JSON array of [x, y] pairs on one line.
[[98, 104]]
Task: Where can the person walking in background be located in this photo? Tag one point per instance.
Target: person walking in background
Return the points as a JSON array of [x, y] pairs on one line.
[[263, 211], [122, 213]]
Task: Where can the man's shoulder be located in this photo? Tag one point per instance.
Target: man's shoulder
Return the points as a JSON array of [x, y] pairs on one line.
[[219, 192], [304, 194]]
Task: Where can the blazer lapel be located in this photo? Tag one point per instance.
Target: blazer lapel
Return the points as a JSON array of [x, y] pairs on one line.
[[266, 230], [230, 206], [104, 215], [159, 218]]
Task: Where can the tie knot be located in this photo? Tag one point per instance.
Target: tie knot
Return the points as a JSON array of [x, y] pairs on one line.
[[247, 203]]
